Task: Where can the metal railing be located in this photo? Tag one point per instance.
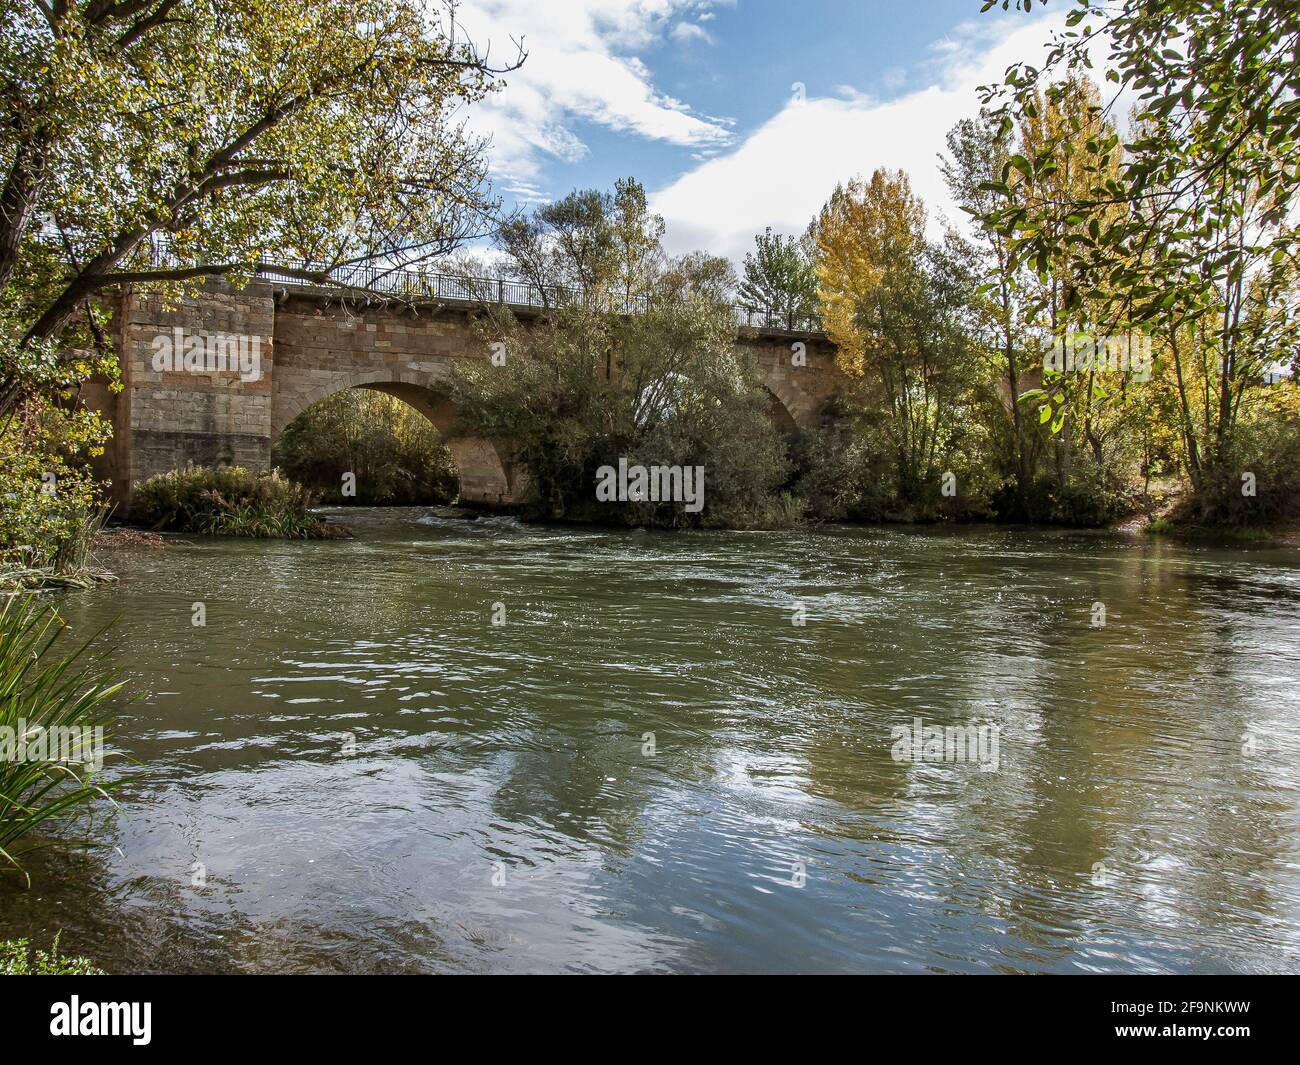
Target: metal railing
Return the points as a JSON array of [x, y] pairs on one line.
[[786, 322], [419, 284]]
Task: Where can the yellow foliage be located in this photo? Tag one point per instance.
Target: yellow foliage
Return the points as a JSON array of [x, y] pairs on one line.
[[866, 231]]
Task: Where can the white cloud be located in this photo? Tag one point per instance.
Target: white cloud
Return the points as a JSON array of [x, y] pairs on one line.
[[526, 193], [690, 31], [581, 65], [783, 172], [854, 96], [561, 142]]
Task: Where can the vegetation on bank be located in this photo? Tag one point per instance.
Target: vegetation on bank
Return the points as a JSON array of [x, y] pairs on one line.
[[51, 506], [52, 702], [229, 501], [950, 409], [17, 958], [1174, 229], [396, 456], [1123, 306]]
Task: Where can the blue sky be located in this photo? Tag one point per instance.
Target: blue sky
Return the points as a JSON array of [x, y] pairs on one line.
[[756, 52], [696, 98]]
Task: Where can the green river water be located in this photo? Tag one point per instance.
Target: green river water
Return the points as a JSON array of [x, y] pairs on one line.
[[651, 767]]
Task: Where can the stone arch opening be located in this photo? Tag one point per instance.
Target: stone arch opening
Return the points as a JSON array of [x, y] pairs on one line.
[[778, 410], [485, 479]]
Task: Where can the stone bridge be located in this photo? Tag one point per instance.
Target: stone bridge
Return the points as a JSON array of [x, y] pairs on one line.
[[313, 342]]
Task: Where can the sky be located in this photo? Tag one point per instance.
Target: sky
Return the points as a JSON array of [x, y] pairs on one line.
[[736, 114]]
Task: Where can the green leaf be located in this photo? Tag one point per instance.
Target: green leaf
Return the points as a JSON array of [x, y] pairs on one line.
[[1020, 163]]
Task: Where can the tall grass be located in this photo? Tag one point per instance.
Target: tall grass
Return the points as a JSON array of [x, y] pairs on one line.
[[43, 687], [66, 563]]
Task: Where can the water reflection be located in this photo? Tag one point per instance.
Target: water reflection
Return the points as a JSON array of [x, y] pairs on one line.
[[500, 812]]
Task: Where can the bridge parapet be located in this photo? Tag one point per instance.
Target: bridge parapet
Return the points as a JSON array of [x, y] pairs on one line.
[[427, 286]]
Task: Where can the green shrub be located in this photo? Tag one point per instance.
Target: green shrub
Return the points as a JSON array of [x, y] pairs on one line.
[[847, 472], [50, 509], [843, 473], [1266, 445], [18, 959], [399, 458], [1089, 502], [681, 395], [227, 501]]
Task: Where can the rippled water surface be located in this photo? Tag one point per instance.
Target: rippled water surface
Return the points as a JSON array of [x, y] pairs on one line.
[[505, 810]]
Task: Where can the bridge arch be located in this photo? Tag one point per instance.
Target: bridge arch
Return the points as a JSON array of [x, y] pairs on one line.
[[485, 478], [799, 377], [779, 410]]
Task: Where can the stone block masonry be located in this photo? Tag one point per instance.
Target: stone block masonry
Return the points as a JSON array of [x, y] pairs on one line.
[[309, 345], [167, 418]]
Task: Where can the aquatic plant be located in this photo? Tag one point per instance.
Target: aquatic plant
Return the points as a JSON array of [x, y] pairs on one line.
[[53, 708]]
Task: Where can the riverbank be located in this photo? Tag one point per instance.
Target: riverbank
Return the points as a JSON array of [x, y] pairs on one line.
[[334, 526], [329, 523]]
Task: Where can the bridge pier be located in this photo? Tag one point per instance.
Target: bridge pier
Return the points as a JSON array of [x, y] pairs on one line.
[[167, 414]]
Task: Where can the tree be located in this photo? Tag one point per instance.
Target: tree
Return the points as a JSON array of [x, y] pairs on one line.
[[978, 149], [1184, 227], [779, 280], [1213, 72], [637, 234], [896, 308], [588, 384], [162, 141], [864, 231], [1068, 116]]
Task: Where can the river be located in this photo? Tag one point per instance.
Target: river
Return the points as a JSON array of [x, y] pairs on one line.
[[477, 746]]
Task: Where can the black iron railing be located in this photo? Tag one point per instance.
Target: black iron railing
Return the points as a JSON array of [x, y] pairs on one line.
[[419, 284]]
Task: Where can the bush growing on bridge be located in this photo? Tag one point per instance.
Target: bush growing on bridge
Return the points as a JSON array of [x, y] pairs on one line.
[[227, 501]]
